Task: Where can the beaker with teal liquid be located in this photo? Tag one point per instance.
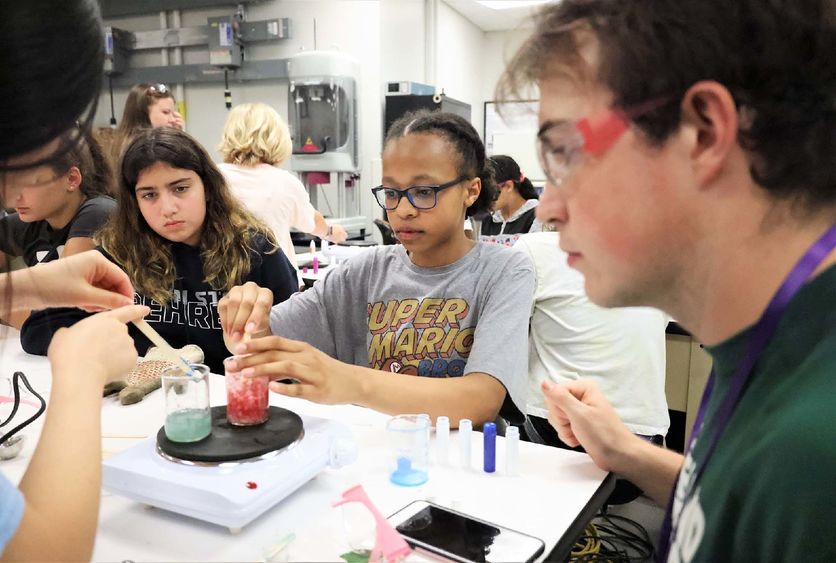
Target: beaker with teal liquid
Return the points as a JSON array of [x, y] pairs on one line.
[[187, 414]]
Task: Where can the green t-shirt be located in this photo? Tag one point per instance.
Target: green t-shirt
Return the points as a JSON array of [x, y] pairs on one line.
[[769, 491]]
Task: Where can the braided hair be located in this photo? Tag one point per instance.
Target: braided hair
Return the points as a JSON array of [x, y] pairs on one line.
[[506, 168], [465, 141], [87, 154]]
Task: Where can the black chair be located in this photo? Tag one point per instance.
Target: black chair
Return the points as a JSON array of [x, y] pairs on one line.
[[386, 232]]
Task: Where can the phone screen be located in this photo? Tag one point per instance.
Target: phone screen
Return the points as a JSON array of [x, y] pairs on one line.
[[469, 539]]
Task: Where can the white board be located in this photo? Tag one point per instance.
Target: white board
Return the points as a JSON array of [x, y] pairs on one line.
[[514, 133]]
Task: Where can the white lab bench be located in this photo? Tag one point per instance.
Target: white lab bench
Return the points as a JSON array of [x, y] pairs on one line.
[[555, 494]]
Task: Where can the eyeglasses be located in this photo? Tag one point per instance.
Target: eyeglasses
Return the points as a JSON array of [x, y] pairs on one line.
[[158, 90], [561, 145], [421, 197]]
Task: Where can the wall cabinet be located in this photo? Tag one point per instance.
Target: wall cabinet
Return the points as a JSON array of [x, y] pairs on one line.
[[686, 373]]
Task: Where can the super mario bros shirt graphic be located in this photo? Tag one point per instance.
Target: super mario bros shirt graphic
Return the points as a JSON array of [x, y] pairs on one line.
[[420, 336]]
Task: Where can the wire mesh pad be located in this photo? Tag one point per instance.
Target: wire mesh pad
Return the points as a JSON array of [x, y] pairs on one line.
[[234, 443]]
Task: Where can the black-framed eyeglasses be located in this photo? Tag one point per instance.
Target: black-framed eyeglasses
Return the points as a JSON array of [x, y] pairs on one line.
[[421, 197], [158, 90]]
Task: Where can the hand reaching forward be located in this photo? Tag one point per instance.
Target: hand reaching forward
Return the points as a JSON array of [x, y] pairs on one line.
[[86, 280], [582, 416], [245, 308], [98, 346], [322, 379]]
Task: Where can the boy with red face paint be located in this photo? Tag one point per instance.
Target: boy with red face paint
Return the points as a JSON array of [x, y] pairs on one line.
[[689, 153]]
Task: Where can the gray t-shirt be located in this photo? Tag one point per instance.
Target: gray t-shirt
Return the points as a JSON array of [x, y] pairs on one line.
[[380, 310]]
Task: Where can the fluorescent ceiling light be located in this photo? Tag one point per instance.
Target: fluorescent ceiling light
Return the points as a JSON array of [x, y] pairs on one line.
[[509, 4]]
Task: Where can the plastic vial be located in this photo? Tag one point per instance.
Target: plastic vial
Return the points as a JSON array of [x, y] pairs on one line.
[[465, 431], [489, 433], [442, 439], [512, 451]]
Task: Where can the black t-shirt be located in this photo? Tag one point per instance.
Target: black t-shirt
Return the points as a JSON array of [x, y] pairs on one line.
[[37, 242], [191, 316]]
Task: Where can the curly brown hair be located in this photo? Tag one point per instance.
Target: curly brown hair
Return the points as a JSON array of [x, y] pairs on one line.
[[227, 240]]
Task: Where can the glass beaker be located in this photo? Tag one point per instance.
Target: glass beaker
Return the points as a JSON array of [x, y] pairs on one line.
[[187, 414], [409, 438], [247, 398]]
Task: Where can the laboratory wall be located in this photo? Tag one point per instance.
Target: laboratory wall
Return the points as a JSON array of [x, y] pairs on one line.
[[420, 40]]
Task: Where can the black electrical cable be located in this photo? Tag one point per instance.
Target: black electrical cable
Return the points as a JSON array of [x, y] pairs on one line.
[[16, 379], [614, 539], [112, 108]]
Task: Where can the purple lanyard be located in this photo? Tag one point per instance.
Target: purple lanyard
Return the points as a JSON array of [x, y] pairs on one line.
[[760, 337]]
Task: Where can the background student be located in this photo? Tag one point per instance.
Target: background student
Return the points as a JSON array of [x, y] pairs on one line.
[[255, 143], [571, 338], [516, 201], [147, 106], [59, 205], [183, 241]]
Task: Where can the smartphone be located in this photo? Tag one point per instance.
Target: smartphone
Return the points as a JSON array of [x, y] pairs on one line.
[[462, 538]]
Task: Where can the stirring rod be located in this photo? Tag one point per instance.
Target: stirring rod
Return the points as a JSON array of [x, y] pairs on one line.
[[164, 346]]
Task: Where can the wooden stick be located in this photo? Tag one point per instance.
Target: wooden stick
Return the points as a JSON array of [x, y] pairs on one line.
[[164, 346]]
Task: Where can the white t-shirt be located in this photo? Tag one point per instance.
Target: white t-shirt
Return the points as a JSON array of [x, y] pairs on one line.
[[275, 196], [623, 350]]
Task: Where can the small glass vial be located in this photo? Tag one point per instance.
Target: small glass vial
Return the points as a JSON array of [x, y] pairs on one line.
[[247, 398], [187, 414]]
